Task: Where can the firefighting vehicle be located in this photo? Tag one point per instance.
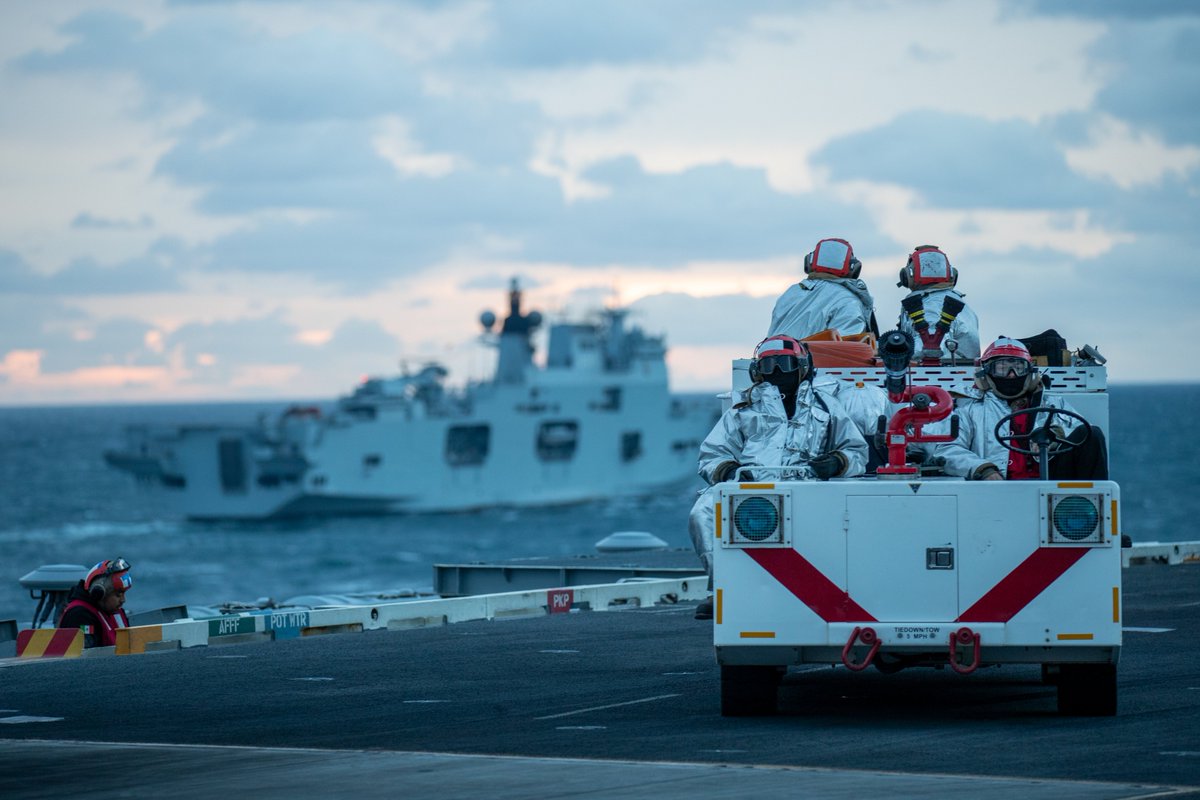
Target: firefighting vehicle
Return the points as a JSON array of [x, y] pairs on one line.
[[907, 568]]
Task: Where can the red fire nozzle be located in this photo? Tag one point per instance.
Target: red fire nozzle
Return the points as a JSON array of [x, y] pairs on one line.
[[926, 404]]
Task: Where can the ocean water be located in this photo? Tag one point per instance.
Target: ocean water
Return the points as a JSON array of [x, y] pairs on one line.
[[60, 503]]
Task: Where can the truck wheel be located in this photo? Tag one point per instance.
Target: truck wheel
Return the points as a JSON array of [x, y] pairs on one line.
[[1088, 690], [749, 691]]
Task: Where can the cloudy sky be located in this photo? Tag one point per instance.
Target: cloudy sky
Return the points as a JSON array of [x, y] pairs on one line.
[[271, 199]]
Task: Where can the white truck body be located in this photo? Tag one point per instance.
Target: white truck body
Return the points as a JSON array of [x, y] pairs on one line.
[[926, 571]]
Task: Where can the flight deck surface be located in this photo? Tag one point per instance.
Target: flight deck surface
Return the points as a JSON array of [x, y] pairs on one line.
[[613, 704]]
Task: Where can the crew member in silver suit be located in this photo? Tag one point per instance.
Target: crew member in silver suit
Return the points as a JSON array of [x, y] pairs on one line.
[[934, 298], [830, 296], [1008, 382], [782, 420]]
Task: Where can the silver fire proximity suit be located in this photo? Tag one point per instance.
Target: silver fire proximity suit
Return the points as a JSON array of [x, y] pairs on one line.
[[819, 302], [757, 431], [964, 330], [976, 445]]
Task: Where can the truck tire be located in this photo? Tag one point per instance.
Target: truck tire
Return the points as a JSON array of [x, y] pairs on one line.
[[1087, 690], [749, 691]]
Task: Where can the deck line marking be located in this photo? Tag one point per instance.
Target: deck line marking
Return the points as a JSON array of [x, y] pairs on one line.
[[610, 705], [1147, 630], [25, 718], [581, 728]]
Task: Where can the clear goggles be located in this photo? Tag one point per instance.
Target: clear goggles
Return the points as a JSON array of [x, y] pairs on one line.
[[781, 363], [1008, 367]]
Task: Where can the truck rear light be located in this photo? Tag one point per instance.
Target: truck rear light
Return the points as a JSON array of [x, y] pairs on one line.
[[757, 519], [1075, 519]]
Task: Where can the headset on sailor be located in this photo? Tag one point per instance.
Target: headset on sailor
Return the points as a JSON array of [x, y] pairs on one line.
[[830, 297], [1009, 383], [934, 312], [95, 603]]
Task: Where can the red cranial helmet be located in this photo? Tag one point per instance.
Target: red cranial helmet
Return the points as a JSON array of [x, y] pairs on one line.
[[927, 265], [783, 354], [833, 257], [108, 577], [1004, 346]]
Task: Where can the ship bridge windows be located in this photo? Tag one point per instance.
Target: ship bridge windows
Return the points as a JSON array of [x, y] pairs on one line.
[[557, 440], [685, 446], [232, 462], [631, 446], [611, 401], [467, 445]]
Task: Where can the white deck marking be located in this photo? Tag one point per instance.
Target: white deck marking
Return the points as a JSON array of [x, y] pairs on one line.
[[418, 702], [17, 720], [558, 651], [610, 705], [311, 679], [581, 728], [1147, 630]]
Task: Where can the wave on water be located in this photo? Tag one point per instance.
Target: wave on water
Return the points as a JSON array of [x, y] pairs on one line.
[[83, 531]]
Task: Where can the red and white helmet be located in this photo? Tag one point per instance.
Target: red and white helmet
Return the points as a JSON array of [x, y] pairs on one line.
[[1017, 375], [782, 353], [1006, 347], [833, 257], [926, 266], [108, 577]]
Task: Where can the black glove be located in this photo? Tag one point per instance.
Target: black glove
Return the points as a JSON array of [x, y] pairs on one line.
[[829, 465]]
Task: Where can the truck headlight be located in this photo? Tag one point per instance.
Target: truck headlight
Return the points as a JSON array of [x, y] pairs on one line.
[[756, 518], [1075, 519]]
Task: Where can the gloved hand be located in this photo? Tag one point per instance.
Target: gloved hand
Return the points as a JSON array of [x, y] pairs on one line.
[[828, 465], [987, 472], [725, 471]]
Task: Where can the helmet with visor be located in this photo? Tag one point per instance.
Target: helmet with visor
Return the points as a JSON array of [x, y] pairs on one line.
[[781, 354], [1006, 368]]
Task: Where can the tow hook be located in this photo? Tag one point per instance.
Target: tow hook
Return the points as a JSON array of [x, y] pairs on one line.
[[964, 636], [866, 636]]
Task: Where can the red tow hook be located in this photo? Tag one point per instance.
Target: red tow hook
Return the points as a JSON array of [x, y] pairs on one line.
[[868, 637], [964, 636]]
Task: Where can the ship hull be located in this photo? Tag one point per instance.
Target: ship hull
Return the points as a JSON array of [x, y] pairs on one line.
[[560, 447]]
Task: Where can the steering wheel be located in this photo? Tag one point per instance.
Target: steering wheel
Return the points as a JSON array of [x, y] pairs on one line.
[[1048, 440]]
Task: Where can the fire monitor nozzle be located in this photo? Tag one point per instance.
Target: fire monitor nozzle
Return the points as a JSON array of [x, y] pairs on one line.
[[896, 352]]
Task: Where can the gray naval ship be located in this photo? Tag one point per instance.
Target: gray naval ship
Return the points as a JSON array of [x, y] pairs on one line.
[[597, 420]]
